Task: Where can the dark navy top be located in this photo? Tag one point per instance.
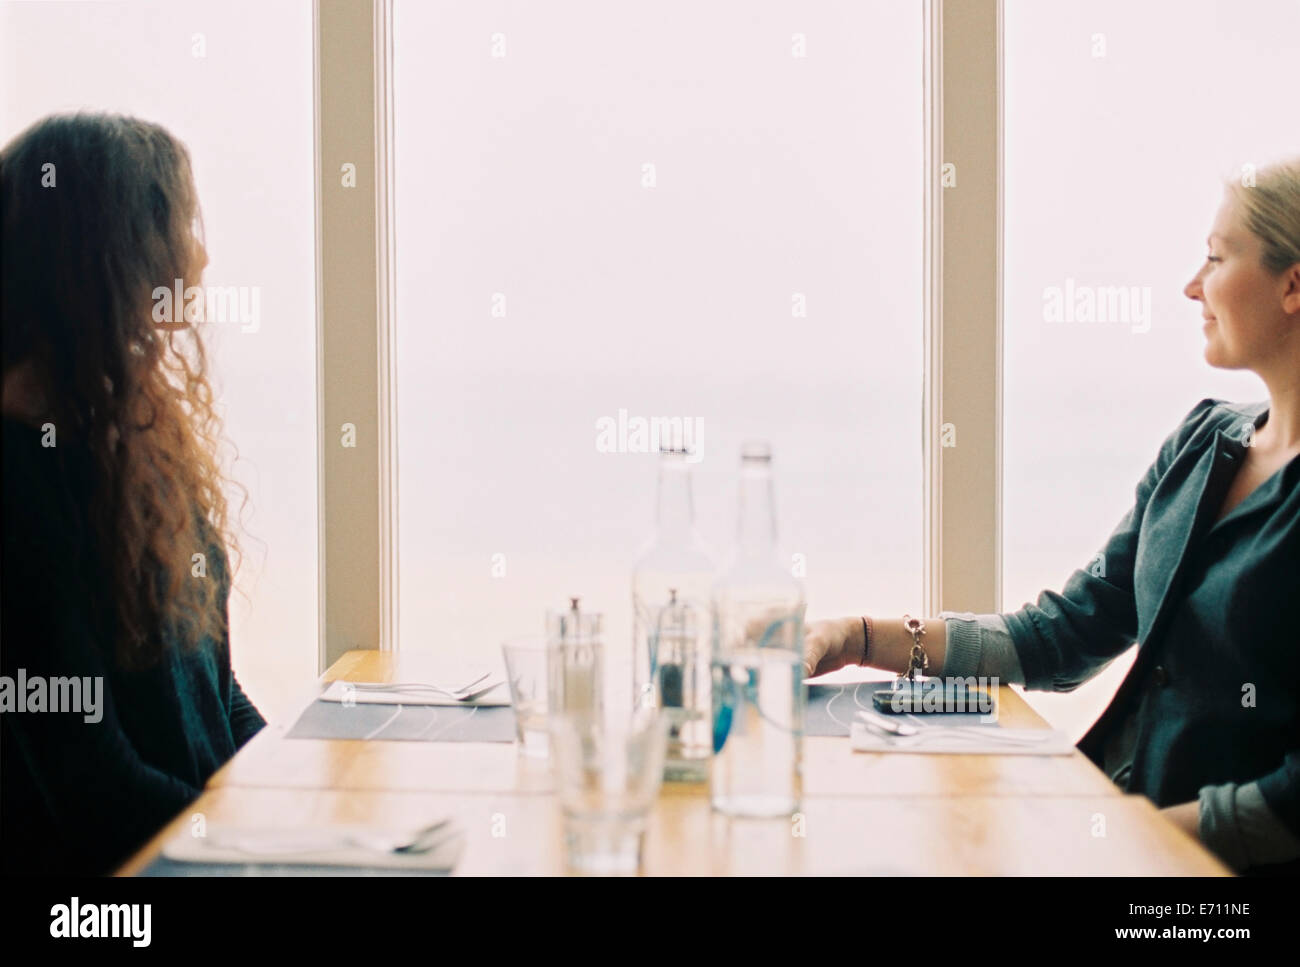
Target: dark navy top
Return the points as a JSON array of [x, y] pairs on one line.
[[1212, 694], [79, 796]]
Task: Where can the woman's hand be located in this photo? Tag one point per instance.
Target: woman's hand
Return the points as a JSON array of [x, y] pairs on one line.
[[832, 644]]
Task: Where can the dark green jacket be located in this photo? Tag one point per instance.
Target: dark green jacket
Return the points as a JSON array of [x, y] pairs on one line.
[[79, 796], [1215, 680]]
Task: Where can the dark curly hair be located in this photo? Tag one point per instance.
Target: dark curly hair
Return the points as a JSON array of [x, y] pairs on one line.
[[85, 243]]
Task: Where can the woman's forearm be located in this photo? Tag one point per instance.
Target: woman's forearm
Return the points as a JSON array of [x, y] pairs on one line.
[[891, 645]]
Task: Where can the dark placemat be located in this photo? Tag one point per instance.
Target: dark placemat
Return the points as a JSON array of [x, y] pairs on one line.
[[411, 723], [831, 708], [829, 712]]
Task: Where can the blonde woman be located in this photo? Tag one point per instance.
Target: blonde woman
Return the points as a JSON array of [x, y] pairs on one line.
[[1201, 573]]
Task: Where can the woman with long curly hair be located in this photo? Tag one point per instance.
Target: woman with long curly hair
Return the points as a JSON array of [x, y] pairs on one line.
[[116, 545]]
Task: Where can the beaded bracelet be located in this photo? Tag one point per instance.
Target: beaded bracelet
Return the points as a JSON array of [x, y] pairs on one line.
[[866, 639]]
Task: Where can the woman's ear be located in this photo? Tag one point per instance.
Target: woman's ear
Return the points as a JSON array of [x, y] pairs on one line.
[[1291, 292]]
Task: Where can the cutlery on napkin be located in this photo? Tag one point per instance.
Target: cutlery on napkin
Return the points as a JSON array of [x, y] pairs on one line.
[[343, 845], [341, 691], [940, 739]]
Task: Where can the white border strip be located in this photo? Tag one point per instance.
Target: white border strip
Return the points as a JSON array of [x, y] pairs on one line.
[[932, 383], [321, 543], [998, 426], [385, 315]]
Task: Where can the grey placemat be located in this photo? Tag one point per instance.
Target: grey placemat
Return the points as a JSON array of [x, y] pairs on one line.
[[829, 712], [412, 723], [831, 708]]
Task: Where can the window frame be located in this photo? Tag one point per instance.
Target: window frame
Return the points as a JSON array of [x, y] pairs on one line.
[[962, 106]]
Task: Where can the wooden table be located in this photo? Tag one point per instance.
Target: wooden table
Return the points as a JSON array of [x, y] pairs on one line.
[[863, 813]]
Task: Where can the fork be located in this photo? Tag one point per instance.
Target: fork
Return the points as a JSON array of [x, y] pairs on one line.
[[462, 694], [421, 841], [888, 727], [921, 735]]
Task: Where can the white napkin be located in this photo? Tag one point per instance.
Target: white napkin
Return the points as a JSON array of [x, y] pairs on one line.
[[314, 846], [1050, 742], [340, 691]]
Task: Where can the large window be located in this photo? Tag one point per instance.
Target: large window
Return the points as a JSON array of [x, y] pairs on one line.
[[708, 211], [712, 212], [234, 82], [1121, 121]]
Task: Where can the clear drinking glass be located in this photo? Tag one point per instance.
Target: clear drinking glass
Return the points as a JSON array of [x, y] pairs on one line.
[[527, 671], [607, 776]]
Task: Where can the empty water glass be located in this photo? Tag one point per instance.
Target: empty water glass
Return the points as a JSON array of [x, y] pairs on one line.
[[607, 777], [527, 672]]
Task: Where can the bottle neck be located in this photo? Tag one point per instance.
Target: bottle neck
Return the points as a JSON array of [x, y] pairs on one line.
[[756, 532], [675, 512]]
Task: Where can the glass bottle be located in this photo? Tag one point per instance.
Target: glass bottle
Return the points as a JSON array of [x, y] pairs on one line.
[[671, 650], [758, 690]]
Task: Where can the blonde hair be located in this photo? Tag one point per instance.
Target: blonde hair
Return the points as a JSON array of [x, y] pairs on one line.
[[1271, 210]]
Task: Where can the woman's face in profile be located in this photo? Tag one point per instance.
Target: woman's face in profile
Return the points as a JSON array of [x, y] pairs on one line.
[[200, 255], [1241, 300]]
